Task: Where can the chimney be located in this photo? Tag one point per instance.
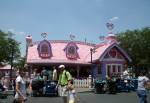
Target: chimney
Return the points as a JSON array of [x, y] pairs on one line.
[[29, 40]]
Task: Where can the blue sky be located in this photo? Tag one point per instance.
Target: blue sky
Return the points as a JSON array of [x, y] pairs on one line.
[[83, 18]]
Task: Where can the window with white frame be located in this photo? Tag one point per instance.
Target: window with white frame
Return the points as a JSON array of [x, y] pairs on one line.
[[44, 49], [113, 69]]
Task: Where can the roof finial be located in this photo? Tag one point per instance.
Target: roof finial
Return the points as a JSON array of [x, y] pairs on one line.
[[72, 37], [110, 26], [44, 35]]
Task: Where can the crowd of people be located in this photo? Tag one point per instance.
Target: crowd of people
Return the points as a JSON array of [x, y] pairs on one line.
[[143, 84], [24, 86], [65, 83]]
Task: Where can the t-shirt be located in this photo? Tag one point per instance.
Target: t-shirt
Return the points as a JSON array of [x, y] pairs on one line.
[[22, 86], [72, 94], [54, 74], [141, 82], [125, 74], [64, 77]]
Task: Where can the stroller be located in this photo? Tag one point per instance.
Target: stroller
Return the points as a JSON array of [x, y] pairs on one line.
[[37, 87], [123, 85], [133, 84], [3, 95], [51, 88], [112, 86], [100, 86]]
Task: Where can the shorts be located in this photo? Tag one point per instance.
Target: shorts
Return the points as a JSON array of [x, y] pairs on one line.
[[63, 91], [71, 101]]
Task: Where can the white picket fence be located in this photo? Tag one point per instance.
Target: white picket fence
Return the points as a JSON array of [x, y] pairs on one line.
[[83, 83]]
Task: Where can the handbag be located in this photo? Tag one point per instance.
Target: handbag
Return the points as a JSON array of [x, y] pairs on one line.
[[16, 100], [147, 85]]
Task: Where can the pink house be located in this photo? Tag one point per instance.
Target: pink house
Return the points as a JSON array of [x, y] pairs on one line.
[[80, 58]]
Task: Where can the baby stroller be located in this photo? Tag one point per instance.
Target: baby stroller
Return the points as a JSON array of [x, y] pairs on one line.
[[123, 85], [37, 87], [112, 86], [3, 95], [133, 84], [51, 88], [100, 86]]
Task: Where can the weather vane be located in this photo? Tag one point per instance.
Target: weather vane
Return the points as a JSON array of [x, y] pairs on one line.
[[44, 35], [72, 37], [110, 26]]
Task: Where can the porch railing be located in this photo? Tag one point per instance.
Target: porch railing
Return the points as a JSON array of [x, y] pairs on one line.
[[83, 83]]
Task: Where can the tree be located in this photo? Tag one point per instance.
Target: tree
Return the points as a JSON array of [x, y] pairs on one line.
[[20, 63], [9, 48], [137, 45]]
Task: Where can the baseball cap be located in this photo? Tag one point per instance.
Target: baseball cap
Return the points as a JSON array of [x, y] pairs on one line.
[[61, 66]]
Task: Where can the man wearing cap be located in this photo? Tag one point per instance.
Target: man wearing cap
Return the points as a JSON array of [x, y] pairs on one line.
[[64, 77]]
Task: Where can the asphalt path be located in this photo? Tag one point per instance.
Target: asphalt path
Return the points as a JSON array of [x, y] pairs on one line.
[[86, 97]]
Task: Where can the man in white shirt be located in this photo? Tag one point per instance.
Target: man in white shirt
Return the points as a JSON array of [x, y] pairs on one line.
[[54, 74], [20, 88], [126, 74], [141, 90]]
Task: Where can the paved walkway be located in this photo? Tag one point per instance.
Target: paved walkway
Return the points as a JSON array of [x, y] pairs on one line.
[[83, 89]]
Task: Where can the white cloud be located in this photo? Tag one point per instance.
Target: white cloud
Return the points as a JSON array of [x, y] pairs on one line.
[[114, 18], [21, 33], [16, 32]]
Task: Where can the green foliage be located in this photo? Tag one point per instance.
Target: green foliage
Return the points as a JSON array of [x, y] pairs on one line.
[[3, 42], [8, 47], [20, 63], [137, 44]]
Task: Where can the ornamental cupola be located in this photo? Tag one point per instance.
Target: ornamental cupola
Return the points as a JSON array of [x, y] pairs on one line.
[[111, 38]]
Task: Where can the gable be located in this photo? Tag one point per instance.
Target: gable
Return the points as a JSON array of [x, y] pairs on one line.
[[115, 52]]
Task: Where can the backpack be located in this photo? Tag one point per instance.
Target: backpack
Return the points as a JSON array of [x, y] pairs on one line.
[[68, 77]]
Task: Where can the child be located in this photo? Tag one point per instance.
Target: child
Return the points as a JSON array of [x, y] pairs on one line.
[[72, 97]]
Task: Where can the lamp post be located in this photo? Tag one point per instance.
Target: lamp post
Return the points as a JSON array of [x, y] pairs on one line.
[[92, 50]]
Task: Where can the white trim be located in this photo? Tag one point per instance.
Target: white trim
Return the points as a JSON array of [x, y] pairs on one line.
[[113, 59]]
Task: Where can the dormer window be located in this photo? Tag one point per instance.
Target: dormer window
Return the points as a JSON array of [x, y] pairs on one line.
[[71, 50], [44, 49]]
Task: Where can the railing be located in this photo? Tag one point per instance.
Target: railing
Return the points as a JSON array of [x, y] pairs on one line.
[[83, 83]]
